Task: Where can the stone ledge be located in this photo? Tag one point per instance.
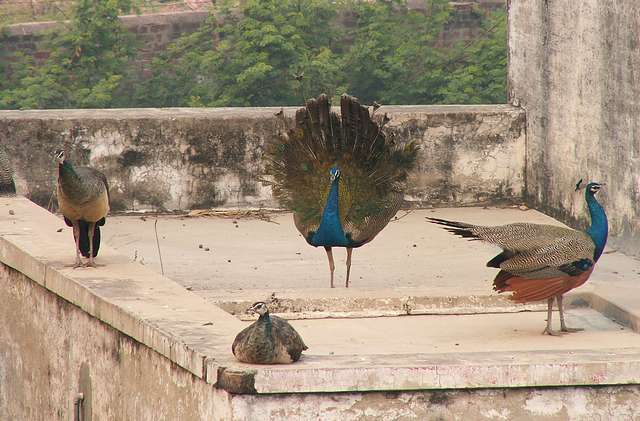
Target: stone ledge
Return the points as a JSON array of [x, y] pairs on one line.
[[237, 112], [436, 371], [149, 308]]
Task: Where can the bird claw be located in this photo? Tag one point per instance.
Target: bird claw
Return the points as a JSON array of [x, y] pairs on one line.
[[551, 332], [571, 329]]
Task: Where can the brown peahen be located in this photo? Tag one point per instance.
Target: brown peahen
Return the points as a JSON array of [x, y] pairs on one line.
[[542, 262], [269, 340], [83, 197], [340, 175], [7, 186]]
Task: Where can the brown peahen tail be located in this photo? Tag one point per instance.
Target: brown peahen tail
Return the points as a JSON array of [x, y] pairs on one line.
[[7, 186]]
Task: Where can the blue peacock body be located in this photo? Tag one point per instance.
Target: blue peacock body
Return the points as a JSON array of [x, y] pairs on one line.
[[339, 174]]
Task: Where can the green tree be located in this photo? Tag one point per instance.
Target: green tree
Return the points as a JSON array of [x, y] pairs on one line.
[[394, 57], [250, 56], [88, 64], [479, 71]]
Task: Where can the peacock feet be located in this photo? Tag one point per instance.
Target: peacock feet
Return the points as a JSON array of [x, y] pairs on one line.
[[571, 329], [91, 264], [549, 331], [78, 263]]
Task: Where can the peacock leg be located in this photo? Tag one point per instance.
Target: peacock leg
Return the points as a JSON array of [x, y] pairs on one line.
[[76, 238], [548, 329], [564, 327], [349, 251], [332, 266], [92, 227]]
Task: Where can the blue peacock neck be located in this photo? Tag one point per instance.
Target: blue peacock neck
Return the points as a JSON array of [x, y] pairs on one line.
[[599, 229], [330, 232]]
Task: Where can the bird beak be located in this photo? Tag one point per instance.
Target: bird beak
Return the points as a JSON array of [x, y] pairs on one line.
[[579, 185]]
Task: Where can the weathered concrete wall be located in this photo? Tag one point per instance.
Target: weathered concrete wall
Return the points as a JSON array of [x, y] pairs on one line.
[[574, 70], [552, 404], [50, 350], [195, 158]]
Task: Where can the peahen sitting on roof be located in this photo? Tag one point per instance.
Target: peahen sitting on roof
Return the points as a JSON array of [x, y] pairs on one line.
[[542, 262], [7, 187], [83, 196], [269, 340], [340, 175]]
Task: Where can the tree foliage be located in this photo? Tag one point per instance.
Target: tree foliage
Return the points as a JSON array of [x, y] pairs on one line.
[[87, 65], [250, 55]]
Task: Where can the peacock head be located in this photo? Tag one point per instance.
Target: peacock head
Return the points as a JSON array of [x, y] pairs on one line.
[[334, 173], [591, 188], [260, 308], [58, 155]]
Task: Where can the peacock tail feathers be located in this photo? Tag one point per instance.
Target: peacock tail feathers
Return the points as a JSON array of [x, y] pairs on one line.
[[373, 169], [7, 185], [531, 250]]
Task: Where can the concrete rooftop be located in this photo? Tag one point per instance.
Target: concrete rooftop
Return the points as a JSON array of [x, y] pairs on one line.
[[454, 332]]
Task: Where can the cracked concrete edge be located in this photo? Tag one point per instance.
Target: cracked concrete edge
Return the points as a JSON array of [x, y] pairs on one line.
[[152, 324], [434, 372], [321, 307]]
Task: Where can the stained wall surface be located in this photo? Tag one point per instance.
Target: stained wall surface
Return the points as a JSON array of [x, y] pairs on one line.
[[52, 350], [573, 68], [199, 158]]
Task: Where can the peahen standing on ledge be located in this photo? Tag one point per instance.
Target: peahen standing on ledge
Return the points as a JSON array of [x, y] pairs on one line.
[[339, 175], [83, 196], [7, 186], [542, 262]]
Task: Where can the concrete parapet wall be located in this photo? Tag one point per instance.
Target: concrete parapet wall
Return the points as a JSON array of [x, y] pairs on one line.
[[573, 69], [198, 158], [51, 350]]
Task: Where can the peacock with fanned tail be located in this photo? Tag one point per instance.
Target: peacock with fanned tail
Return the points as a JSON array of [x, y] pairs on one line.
[[542, 262], [339, 174], [7, 186]]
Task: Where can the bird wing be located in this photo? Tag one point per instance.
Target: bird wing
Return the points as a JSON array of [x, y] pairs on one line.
[[521, 237], [569, 254], [241, 338], [288, 336]]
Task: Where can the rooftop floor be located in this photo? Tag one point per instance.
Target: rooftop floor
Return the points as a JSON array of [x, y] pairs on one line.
[[247, 258], [234, 260], [453, 331]]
